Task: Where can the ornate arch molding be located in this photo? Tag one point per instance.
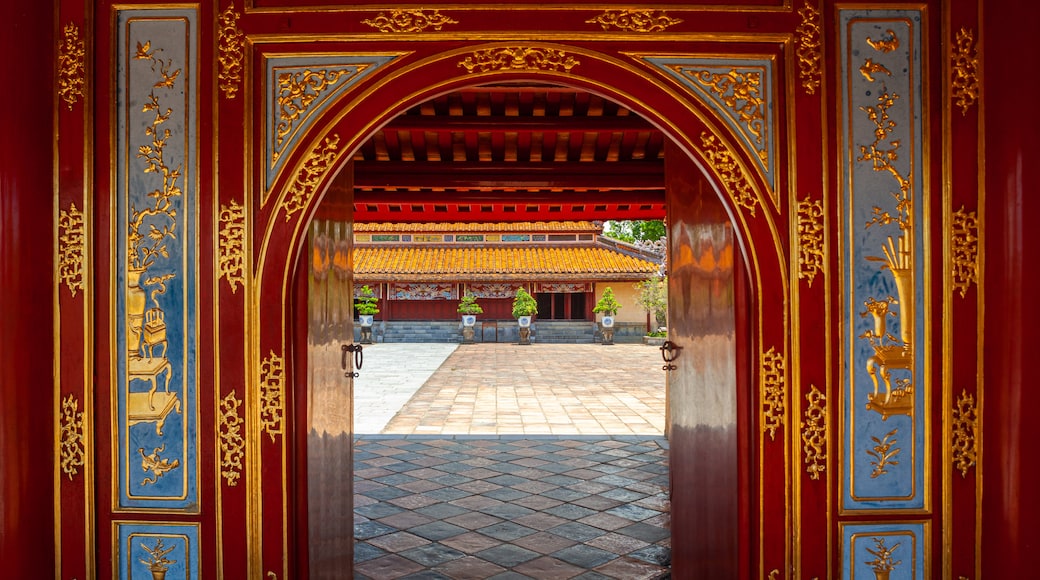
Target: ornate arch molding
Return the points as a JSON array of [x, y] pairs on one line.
[[325, 145]]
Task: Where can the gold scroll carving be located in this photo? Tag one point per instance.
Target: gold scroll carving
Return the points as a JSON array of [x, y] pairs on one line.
[[231, 260], [810, 239], [232, 444], [965, 246], [814, 433], [73, 447], [272, 393], [964, 59], [519, 58], [965, 433], [409, 21], [71, 70], [773, 392], [730, 173], [634, 20], [72, 255], [741, 92], [809, 53], [306, 183], [230, 42], [297, 91]]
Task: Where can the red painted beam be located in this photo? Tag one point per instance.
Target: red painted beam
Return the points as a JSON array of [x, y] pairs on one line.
[[503, 123], [475, 175]]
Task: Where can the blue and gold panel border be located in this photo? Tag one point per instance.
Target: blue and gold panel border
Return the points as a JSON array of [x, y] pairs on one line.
[[741, 92], [150, 550], [299, 89], [890, 551], [156, 268], [883, 257]]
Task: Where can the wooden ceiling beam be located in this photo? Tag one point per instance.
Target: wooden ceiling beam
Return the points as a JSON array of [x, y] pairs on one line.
[[586, 198], [501, 123]]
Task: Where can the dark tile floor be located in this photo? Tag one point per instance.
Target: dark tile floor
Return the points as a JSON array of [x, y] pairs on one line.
[[511, 507]]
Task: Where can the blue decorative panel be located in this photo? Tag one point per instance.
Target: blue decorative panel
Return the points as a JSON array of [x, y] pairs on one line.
[[883, 260], [891, 551], [299, 89], [741, 92], [151, 550], [156, 264]]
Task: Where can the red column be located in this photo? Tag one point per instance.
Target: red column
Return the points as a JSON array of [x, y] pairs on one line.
[[26, 291], [1011, 397]]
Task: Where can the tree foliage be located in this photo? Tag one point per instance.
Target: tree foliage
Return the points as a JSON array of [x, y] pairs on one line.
[[653, 297], [635, 230]]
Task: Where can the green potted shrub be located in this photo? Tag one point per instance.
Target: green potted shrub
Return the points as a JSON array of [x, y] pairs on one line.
[[469, 309], [367, 305], [608, 306], [524, 307]]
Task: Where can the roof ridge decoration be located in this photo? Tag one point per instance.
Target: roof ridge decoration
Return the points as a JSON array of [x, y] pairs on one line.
[[298, 90], [742, 92]]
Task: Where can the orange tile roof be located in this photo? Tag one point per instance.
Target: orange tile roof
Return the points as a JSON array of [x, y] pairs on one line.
[[523, 227], [497, 263]]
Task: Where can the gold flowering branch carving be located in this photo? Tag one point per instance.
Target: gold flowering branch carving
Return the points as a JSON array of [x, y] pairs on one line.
[[634, 20], [965, 65], [306, 183], [230, 41], [73, 448], [232, 244], [297, 91], [741, 92], [883, 562], [809, 53], [519, 58], [729, 171], [773, 392], [409, 21], [272, 393], [883, 452], [965, 259], [814, 433], [72, 255], [810, 239], [71, 70], [232, 444], [965, 433]]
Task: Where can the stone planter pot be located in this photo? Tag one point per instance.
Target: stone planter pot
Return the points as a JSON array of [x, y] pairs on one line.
[[365, 321], [468, 322]]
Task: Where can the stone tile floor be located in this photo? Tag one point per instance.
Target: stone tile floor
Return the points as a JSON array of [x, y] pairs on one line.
[[511, 507], [500, 388]]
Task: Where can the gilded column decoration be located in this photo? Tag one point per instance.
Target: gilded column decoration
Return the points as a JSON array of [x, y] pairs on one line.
[[157, 550], [73, 446], [71, 70], [810, 239], [314, 167], [232, 444], [965, 433], [519, 58], [809, 52], [814, 433], [297, 91], [231, 260], [965, 246], [883, 453], [230, 40], [740, 91], [634, 20], [272, 392], [409, 21], [773, 392], [884, 259], [156, 265], [965, 64], [730, 173], [72, 255]]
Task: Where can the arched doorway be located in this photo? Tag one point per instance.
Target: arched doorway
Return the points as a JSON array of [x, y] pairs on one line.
[[700, 244]]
